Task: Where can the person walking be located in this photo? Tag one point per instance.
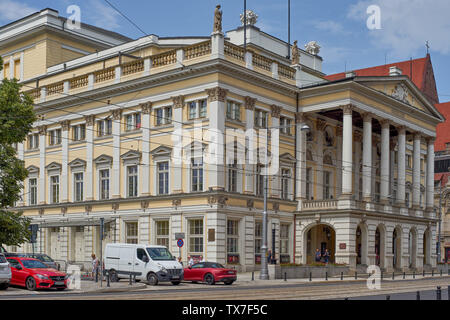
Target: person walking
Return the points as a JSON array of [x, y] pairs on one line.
[[95, 265], [318, 255], [326, 256], [269, 256]]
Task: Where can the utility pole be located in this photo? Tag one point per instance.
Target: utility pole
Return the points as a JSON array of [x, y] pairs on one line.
[[439, 226], [264, 275]]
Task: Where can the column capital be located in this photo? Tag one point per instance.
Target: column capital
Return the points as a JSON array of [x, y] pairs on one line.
[[367, 116], [178, 102], [42, 130], [217, 94], [146, 107], [65, 125], [417, 135], [348, 109], [301, 117], [430, 140], [90, 119], [385, 123], [276, 111], [401, 130], [320, 124], [249, 103], [117, 114]]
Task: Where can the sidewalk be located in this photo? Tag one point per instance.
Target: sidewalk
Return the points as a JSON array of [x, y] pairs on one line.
[[121, 286]]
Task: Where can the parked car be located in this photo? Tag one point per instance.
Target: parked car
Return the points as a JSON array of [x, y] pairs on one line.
[[2, 250], [147, 262], [40, 256], [33, 274], [5, 273], [210, 272]]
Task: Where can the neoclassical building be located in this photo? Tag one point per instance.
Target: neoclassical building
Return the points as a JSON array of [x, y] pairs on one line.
[[124, 132]]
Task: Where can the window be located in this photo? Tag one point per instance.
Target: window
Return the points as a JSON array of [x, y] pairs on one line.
[[197, 174], [285, 125], [285, 177], [232, 177], [326, 185], [261, 118], [196, 236], [163, 116], [377, 191], [140, 254], [163, 177], [162, 233], [79, 132], [54, 189], [202, 108], [232, 241], [284, 239], [78, 184], [197, 109], [259, 181], [258, 241], [32, 183], [104, 184], [308, 183], [192, 110], [408, 161], [131, 235], [33, 141], [132, 121], [54, 137], [104, 127], [233, 111], [132, 178]]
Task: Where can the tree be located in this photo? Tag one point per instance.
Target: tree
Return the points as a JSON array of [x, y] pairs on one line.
[[16, 119]]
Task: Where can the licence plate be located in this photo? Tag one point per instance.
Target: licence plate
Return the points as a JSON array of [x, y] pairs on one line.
[[59, 283], [175, 277]]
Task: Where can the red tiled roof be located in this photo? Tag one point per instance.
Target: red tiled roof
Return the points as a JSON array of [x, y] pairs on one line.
[[443, 129], [420, 71]]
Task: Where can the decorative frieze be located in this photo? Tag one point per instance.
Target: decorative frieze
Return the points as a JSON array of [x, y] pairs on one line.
[[176, 203], [217, 94], [178, 102], [144, 204], [217, 200], [250, 103]]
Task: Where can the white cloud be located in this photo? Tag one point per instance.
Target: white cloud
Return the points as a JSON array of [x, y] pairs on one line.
[[101, 15], [329, 26], [407, 24], [14, 10]]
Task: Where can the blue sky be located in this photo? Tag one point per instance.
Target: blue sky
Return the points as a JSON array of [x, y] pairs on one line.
[[338, 26]]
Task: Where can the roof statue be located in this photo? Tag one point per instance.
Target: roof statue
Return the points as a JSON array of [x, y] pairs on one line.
[[312, 47], [217, 19], [295, 54], [251, 17]]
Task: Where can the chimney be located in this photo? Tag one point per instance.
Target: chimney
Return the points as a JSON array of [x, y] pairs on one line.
[[394, 71], [350, 74]]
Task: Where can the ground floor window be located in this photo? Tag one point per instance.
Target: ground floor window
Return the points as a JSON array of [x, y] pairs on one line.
[[232, 241], [195, 237], [162, 233], [258, 241], [284, 243], [131, 232]]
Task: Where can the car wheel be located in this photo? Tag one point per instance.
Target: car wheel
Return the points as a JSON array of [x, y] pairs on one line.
[[228, 282], [209, 279], [113, 277], [4, 286], [30, 284], [175, 283], [152, 279]]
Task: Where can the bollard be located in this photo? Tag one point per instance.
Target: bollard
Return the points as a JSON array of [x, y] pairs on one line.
[[432, 272], [326, 276], [130, 283], [414, 274], [253, 275], [418, 295], [107, 279], [438, 293], [356, 275], [310, 276], [285, 276], [388, 297], [342, 276], [393, 275], [404, 275]]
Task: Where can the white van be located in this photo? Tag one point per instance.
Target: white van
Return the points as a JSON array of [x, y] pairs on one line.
[[147, 262]]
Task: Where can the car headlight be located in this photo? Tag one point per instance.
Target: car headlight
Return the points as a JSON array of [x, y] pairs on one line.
[[42, 277]]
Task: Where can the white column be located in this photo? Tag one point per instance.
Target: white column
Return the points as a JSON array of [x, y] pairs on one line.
[[216, 172], [339, 160], [177, 163], [416, 171], [358, 146], [393, 143], [401, 163], [275, 143], [300, 192], [385, 154], [65, 160], [90, 156], [347, 152], [367, 158], [430, 174], [20, 155], [217, 45], [250, 124], [146, 109], [116, 124], [42, 173], [320, 127]]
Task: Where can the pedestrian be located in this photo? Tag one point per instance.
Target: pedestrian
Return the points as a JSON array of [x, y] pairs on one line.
[[269, 256], [95, 265], [326, 256], [318, 255], [190, 261]]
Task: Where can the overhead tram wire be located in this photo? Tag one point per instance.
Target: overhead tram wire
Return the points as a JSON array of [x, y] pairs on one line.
[[128, 19]]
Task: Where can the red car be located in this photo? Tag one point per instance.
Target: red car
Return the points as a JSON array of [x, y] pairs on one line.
[[210, 272], [33, 274]]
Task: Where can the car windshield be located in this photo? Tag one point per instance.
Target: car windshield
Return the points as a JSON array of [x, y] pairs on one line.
[[216, 265], [44, 258], [2, 259], [159, 254], [34, 264]]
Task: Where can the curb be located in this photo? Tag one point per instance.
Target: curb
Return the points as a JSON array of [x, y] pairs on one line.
[[136, 286]]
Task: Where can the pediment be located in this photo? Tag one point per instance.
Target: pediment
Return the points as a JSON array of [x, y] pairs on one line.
[[131, 155], [103, 159], [53, 166], [33, 169], [77, 163], [161, 151], [195, 145], [287, 157]]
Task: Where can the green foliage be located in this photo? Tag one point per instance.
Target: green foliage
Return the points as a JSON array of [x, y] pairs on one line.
[[16, 120]]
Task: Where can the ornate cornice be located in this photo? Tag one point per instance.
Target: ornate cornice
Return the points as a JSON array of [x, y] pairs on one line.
[[250, 103], [117, 114], [89, 120], [146, 107], [178, 102], [217, 94], [276, 111]]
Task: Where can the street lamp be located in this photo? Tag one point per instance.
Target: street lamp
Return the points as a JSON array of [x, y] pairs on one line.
[[264, 275]]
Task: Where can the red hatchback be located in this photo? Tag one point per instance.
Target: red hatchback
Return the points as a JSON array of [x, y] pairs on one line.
[[210, 272], [33, 274]]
